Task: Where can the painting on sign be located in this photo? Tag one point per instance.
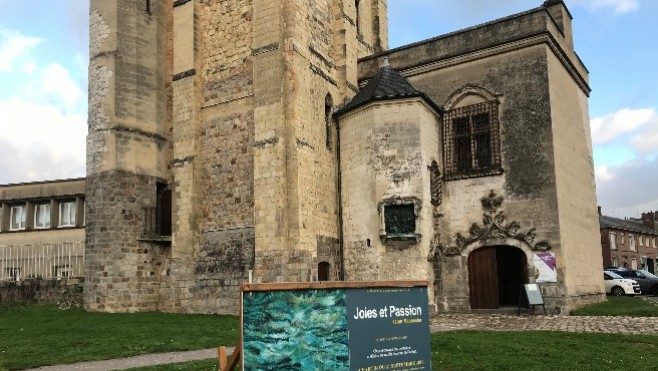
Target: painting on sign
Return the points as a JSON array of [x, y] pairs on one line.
[[291, 330], [372, 328], [546, 267]]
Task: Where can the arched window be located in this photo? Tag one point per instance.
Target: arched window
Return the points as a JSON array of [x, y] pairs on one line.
[[471, 134], [328, 107], [323, 271]]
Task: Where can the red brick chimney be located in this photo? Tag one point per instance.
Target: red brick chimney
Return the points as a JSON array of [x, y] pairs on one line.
[[649, 219]]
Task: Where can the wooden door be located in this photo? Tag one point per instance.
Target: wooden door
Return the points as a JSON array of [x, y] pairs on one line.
[[483, 278], [323, 271]]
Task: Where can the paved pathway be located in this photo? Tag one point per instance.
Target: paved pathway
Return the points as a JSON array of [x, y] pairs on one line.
[[501, 322], [138, 361], [441, 322]]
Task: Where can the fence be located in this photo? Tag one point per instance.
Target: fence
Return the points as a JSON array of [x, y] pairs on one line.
[[42, 261]]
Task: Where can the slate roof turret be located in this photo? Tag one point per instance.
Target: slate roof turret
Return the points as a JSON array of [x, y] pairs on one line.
[[387, 84]]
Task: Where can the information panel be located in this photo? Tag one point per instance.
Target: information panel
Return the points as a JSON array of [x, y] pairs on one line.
[[327, 327]]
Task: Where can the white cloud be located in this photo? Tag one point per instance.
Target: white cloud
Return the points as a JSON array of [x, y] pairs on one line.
[[56, 85], [628, 189], [646, 142], [619, 6], [40, 142], [612, 126], [13, 47]]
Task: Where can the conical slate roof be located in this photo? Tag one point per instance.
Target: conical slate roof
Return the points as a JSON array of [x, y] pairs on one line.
[[387, 84]]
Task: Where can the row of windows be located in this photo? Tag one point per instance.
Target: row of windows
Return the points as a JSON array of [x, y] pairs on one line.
[[44, 215], [642, 240]]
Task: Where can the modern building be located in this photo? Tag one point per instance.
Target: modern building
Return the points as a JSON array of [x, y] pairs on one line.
[[292, 145], [42, 231]]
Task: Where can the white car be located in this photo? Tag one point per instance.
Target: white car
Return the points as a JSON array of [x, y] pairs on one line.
[[617, 285]]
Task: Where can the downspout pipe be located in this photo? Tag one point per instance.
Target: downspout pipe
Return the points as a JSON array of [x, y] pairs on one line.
[[341, 242]]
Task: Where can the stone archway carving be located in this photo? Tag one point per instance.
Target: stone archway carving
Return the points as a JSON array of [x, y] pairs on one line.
[[495, 228], [471, 89]]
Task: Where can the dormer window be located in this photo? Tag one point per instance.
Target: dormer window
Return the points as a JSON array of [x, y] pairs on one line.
[[67, 214], [18, 217], [41, 216]]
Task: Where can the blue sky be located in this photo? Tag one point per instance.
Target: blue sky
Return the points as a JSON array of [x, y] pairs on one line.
[[43, 84]]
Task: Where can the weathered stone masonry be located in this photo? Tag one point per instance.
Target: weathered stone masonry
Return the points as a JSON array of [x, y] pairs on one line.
[[246, 112]]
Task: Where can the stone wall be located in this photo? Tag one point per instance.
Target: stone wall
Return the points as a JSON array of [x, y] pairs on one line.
[[512, 61], [128, 151], [386, 153], [580, 241], [35, 291]]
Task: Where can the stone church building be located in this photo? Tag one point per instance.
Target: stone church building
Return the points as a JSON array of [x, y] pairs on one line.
[[282, 141]]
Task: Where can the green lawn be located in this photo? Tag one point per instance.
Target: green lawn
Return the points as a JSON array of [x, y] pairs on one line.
[[33, 335], [620, 306], [532, 350], [36, 335]]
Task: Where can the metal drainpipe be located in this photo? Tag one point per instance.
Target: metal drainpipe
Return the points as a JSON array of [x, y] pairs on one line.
[[341, 245]]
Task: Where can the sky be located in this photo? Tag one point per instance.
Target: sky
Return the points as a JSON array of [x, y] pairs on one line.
[[43, 85]]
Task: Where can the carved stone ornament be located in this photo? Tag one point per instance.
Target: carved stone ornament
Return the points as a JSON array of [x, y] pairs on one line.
[[436, 184], [494, 227]]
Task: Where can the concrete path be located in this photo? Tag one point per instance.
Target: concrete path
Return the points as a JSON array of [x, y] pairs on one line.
[[138, 361], [502, 322]]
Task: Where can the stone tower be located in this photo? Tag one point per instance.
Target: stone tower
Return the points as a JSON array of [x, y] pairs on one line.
[[128, 149], [226, 104]]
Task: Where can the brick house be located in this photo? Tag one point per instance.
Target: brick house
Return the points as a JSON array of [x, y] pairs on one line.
[[630, 243]]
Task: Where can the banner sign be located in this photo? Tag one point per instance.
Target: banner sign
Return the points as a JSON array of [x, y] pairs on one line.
[[350, 328], [546, 266]]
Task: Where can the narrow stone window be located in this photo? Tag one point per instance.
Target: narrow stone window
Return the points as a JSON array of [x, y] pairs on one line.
[[358, 16], [148, 6], [328, 107], [164, 210], [472, 141]]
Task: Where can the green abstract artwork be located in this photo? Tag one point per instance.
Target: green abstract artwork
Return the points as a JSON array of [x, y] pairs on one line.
[[295, 330]]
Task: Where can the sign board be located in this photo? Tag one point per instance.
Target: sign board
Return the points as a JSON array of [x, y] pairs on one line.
[[533, 293], [336, 326], [546, 267]]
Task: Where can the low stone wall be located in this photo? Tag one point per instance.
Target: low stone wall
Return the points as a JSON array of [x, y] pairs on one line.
[[37, 291]]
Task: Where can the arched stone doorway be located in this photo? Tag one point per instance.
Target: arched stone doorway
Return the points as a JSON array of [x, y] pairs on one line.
[[495, 276]]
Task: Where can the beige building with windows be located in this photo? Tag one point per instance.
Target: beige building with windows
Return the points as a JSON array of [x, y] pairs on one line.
[[42, 231], [283, 141]]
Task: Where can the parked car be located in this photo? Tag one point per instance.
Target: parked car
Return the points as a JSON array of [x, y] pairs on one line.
[[648, 282], [617, 285]]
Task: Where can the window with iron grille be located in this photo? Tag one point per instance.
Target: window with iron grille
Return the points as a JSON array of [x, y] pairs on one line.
[[472, 141]]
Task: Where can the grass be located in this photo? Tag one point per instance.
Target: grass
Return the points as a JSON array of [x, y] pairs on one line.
[[542, 350], [36, 335], [33, 335], [531, 350], [619, 306], [202, 365]]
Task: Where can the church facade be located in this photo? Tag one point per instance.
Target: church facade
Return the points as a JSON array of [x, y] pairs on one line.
[[281, 141]]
